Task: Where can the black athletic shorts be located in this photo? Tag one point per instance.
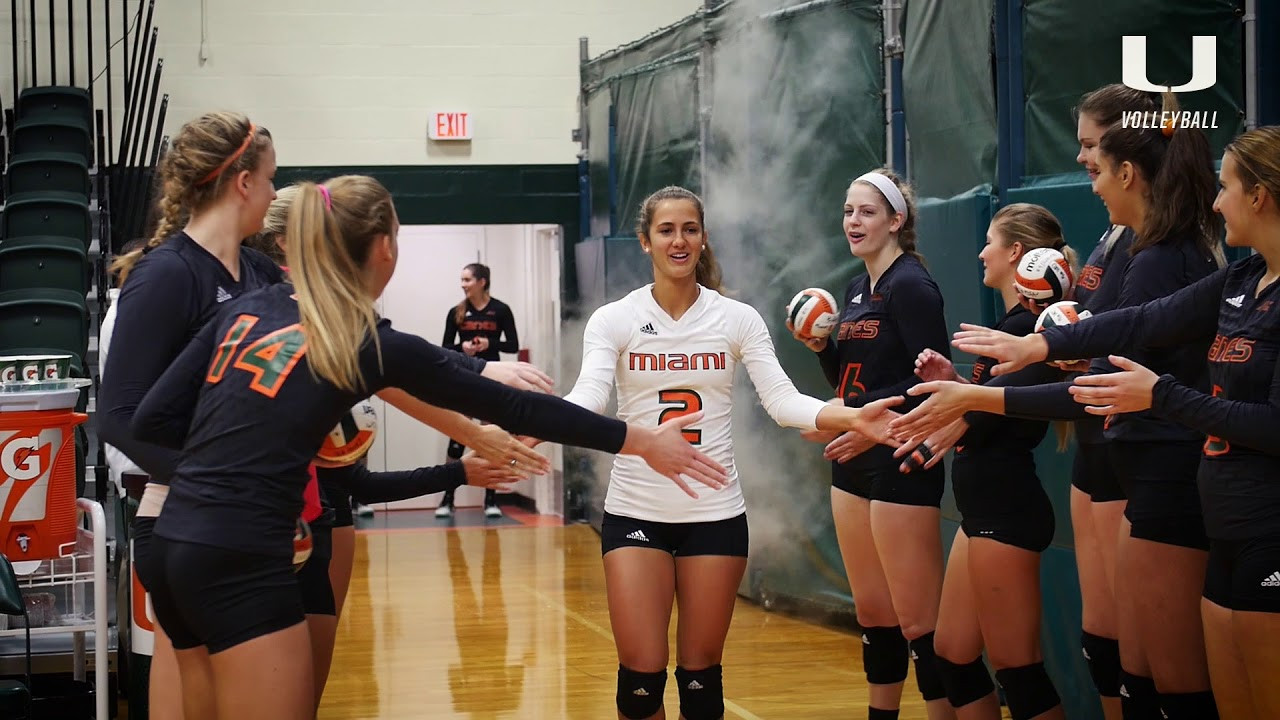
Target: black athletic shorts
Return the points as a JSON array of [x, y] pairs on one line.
[[1159, 478], [141, 532], [337, 496], [313, 577], [718, 537], [1000, 498], [219, 598], [1244, 574], [891, 485], [1094, 475]]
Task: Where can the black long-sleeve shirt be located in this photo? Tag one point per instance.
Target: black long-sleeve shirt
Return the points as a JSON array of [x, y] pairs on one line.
[[243, 405], [1241, 413], [370, 487], [873, 352], [495, 323], [173, 291], [1152, 273]]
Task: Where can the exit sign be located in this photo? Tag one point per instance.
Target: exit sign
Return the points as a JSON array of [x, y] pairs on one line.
[[449, 126]]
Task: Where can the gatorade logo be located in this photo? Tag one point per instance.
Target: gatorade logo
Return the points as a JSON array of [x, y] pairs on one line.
[[23, 458]]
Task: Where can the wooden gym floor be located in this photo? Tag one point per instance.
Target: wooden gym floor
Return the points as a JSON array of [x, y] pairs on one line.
[[511, 622]]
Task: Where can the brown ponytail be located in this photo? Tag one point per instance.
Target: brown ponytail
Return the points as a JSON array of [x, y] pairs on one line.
[[225, 140], [1179, 171], [707, 273], [327, 244]]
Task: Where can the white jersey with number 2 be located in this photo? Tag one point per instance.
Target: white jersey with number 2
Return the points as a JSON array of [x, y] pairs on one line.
[[666, 368]]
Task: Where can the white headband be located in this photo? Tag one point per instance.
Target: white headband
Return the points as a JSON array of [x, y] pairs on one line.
[[888, 189]]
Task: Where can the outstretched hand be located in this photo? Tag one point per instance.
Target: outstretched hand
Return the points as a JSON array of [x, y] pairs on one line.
[[669, 453], [499, 447], [924, 453], [946, 404], [482, 473], [1120, 392], [932, 365], [1013, 351], [519, 375]]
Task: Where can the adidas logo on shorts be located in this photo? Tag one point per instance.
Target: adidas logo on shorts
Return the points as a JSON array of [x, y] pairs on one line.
[[1272, 581], [638, 535], [640, 692], [694, 685]]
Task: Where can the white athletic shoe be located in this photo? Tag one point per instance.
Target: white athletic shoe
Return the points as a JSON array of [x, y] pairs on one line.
[[444, 511], [363, 510], [492, 511]]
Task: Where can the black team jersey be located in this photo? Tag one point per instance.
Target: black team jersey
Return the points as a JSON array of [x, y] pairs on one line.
[[1098, 290], [242, 403], [997, 435], [173, 291], [1240, 414], [493, 322], [1155, 272], [872, 354]]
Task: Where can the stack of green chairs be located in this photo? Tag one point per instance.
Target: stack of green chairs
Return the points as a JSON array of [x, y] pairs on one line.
[[46, 232]]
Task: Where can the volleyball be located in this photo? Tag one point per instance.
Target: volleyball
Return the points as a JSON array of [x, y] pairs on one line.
[[350, 439], [1066, 312], [301, 544], [1043, 276], [813, 313]]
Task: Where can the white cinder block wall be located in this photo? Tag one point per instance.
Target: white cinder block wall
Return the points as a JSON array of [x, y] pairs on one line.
[[351, 83]]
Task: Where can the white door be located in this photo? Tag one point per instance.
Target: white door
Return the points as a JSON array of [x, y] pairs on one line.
[[424, 287]]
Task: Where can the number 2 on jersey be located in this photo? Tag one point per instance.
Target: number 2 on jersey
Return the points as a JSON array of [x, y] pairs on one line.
[[269, 359], [1215, 446], [684, 402]]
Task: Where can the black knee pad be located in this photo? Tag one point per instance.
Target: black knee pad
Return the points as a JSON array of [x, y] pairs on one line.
[[1103, 656], [1138, 698], [1189, 706], [640, 693], [701, 693], [884, 655], [965, 683], [927, 675], [455, 450], [1028, 690]]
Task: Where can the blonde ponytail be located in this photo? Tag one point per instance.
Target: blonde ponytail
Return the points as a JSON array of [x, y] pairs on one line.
[[327, 241]]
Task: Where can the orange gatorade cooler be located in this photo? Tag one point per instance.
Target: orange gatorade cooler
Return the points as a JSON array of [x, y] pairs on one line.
[[37, 477]]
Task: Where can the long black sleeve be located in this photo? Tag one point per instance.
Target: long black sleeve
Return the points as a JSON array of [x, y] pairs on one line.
[[376, 487], [1051, 401], [149, 332], [423, 370], [1254, 425], [510, 342], [1032, 377], [1190, 314], [165, 413], [451, 340]]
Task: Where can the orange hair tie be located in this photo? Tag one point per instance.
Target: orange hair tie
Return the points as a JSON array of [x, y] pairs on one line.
[[234, 156], [1167, 127]]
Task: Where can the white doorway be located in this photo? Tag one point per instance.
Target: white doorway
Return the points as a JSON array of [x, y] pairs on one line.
[[525, 264]]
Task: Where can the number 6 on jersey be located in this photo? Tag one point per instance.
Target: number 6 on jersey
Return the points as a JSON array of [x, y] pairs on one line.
[[684, 402]]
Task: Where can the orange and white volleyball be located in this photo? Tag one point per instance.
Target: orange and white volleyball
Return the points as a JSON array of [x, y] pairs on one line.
[[1066, 312], [1043, 275], [813, 313], [350, 439]]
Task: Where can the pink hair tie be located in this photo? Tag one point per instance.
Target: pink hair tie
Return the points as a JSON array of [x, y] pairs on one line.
[[328, 201]]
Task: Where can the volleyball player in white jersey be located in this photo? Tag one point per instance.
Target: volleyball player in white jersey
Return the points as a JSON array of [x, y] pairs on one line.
[[672, 348]]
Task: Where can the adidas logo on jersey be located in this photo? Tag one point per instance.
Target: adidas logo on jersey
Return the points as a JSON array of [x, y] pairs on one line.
[[647, 329], [1236, 301], [638, 535], [222, 295], [857, 298], [1272, 581]]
